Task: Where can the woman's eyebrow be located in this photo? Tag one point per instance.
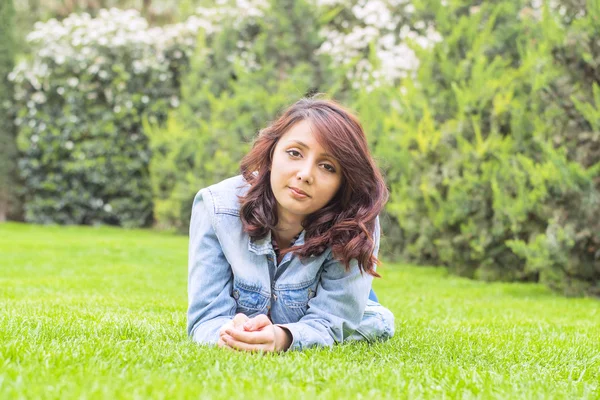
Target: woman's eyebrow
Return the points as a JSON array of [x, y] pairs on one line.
[[302, 144]]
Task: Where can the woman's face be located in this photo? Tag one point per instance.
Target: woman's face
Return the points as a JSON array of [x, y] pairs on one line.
[[301, 164]]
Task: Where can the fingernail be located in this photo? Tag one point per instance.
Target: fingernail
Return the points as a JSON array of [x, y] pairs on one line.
[[248, 325], [228, 331]]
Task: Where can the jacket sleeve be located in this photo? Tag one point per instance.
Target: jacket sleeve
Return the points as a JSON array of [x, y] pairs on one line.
[[337, 309], [210, 277]]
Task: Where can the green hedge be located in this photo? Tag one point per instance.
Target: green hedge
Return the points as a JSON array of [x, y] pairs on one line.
[[81, 98], [485, 175], [568, 252], [227, 97], [8, 150]]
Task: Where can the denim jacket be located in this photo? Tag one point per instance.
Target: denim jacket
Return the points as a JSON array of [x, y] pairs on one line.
[[316, 299]]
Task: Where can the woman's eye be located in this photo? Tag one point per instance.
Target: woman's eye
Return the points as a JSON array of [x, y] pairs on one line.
[[293, 153], [329, 168]]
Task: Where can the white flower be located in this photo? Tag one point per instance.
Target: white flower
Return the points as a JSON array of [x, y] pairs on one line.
[[118, 41], [138, 66], [69, 145], [39, 97], [376, 25]]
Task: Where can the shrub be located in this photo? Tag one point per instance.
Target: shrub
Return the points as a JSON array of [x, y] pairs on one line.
[[478, 181], [567, 254], [8, 150], [84, 157], [370, 39], [240, 79]]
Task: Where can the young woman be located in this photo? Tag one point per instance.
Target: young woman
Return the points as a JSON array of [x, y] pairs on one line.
[[283, 256]]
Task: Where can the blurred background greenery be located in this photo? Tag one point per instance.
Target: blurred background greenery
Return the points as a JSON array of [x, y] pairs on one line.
[[484, 116]]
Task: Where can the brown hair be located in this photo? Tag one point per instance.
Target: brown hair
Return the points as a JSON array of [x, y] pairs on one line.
[[347, 221]]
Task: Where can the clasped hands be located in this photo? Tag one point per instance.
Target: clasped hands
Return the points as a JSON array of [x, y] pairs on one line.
[[256, 334]]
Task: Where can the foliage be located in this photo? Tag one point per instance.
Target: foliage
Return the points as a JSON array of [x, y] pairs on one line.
[[479, 182], [227, 97], [370, 39], [84, 157], [568, 253], [8, 150]]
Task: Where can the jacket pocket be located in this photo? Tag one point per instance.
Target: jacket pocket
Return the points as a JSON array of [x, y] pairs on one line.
[[298, 297], [248, 297]]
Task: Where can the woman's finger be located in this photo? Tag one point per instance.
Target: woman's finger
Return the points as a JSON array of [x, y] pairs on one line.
[[257, 323], [239, 320], [243, 346], [259, 337], [236, 323], [227, 325]]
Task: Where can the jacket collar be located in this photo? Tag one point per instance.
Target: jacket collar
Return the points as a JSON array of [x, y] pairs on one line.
[[263, 245]]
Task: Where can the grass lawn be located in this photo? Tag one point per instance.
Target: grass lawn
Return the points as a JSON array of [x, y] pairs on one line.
[[100, 313]]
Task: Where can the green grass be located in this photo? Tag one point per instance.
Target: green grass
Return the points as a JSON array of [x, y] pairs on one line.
[[100, 313]]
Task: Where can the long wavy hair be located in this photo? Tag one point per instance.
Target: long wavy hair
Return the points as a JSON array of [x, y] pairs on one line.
[[347, 221]]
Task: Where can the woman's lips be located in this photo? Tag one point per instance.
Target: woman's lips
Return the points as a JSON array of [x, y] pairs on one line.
[[297, 193]]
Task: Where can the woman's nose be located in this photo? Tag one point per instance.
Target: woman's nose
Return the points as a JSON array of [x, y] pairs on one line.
[[305, 173]]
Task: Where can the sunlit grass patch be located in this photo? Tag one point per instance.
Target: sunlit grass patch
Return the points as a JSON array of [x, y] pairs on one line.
[[100, 313]]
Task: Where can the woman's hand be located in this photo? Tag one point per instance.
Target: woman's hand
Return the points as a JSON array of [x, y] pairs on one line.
[[236, 323], [258, 334]]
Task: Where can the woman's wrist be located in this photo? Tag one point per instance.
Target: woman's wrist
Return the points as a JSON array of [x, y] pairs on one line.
[[283, 338]]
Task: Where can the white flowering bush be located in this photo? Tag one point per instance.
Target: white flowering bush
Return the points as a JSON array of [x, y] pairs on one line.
[[80, 101], [370, 40], [373, 39]]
